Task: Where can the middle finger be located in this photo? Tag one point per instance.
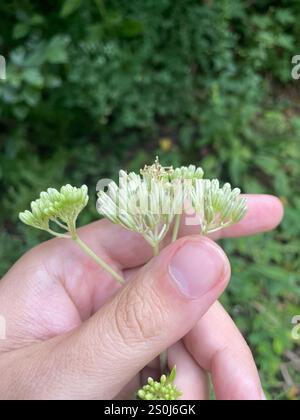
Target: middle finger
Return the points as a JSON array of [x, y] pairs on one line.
[[219, 348]]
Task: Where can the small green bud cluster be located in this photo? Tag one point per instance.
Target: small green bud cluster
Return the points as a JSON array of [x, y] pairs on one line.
[[185, 173], [159, 172], [165, 389], [56, 206], [217, 207]]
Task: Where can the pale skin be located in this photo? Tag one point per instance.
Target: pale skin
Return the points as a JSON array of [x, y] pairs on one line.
[[74, 333]]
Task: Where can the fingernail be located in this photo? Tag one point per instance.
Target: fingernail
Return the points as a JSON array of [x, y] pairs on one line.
[[196, 268]]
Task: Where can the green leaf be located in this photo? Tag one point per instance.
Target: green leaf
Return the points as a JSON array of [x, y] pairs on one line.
[[33, 77], [56, 52], [69, 7], [172, 376], [21, 30], [272, 272], [131, 28]]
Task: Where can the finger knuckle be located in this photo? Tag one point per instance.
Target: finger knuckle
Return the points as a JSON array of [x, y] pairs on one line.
[[140, 316]]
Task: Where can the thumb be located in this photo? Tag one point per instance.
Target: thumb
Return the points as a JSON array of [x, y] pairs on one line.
[[156, 309]]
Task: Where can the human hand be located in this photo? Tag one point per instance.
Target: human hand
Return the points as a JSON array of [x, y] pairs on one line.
[[72, 333]]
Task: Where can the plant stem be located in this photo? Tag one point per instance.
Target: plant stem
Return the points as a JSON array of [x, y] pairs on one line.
[[156, 250], [216, 229], [58, 235], [98, 260], [60, 224], [176, 227], [163, 357], [163, 360]]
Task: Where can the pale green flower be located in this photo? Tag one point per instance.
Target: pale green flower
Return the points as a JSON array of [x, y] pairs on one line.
[[168, 173], [165, 389], [61, 207], [217, 207], [142, 204], [149, 203], [187, 173]]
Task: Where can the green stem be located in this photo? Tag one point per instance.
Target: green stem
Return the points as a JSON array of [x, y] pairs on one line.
[[58, 235], [176, 227], [163, 360], [156, 250], [163, 357], [98, 260], [60, 224], [216, 229]]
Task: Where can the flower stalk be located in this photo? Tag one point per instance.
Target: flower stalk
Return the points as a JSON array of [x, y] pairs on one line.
[[99, 260], [176, 227]]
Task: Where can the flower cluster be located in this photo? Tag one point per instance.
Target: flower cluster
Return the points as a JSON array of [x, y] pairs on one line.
[[61, 207], [217, 207], [162, 390], [144, 205], [148, 203], [159, 172]]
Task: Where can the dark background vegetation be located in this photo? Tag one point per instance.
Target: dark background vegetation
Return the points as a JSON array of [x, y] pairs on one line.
[[96, 85]]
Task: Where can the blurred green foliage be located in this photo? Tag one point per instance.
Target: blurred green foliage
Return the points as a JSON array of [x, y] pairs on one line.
[[96, 85]]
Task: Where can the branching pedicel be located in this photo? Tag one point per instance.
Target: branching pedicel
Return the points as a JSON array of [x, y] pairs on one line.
[[151, 203]]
